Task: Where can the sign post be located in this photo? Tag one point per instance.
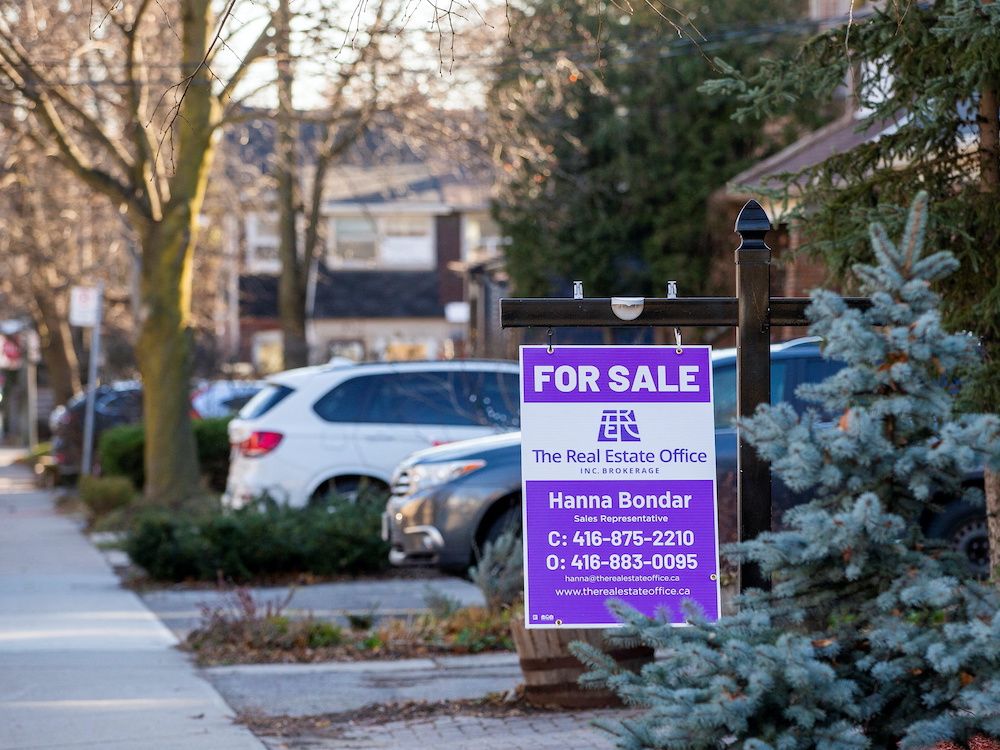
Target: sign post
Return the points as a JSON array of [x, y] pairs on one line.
[[34, 356], [85, 310], [618, 471]]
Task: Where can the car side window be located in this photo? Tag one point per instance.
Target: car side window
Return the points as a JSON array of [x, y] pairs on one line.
[[815, 370], [422, 398], [724, 395], [347, 402], [501, 400], [491, 397], [724, 390]]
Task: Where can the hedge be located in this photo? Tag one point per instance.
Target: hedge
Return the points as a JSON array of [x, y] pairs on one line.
[[120, 451], [105, 495], [261, 541]]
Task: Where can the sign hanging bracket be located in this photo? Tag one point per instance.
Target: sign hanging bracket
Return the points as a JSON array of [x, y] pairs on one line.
[[672, 294]]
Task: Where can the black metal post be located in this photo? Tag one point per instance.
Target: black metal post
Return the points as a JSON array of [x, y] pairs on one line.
[[753, 375]]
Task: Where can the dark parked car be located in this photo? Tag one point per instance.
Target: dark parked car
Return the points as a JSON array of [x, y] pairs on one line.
[[114, 404], [121, 403], [448, 501]]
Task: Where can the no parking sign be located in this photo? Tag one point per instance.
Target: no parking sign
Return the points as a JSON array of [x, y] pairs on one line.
[[618, 472]]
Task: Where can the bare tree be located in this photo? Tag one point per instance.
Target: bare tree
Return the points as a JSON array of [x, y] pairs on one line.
[[31, 242], [363, 64], [131, 102], [49, 237]]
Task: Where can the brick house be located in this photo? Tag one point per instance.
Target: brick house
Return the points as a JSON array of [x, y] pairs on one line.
[[382, 287]]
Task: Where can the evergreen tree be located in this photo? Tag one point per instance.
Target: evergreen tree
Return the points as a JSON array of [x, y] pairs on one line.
[[928, 75], [608, 153], [872, 637]]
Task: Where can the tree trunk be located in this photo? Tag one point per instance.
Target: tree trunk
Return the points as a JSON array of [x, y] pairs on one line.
[[989, 182], [164, 355], [991, 480], [56, 342], [291, 289]]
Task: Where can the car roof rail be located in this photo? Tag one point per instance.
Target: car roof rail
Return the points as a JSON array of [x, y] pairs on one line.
[[801, 341]]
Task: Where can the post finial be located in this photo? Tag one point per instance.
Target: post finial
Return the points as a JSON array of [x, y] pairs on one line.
[[753, 220]]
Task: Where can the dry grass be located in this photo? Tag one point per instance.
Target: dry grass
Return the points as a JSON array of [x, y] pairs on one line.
[[246, 631]]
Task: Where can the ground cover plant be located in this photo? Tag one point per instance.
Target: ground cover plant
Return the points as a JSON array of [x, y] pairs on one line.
[[246, 630], [104, 496], [499, 570], [263, 541], [872, 636]]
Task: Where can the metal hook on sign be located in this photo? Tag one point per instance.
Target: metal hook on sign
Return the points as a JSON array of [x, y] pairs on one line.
[[550, 349], [672, 294]]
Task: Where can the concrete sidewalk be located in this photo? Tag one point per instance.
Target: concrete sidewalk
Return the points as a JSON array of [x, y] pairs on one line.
[[308, 689], [83, 664]]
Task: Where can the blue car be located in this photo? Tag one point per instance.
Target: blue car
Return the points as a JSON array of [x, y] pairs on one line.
[[448, 501]]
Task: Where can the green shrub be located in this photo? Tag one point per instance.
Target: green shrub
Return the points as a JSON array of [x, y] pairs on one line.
[[212, 437], [105, 495], [499, 573], [260, 541], [121, 451], [324, 634]]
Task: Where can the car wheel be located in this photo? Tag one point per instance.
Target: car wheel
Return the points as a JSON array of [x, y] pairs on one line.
[[351, 489], [963, 527], [509, 519]]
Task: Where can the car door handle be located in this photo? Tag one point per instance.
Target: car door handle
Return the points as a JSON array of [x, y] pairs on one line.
[[378, 436]]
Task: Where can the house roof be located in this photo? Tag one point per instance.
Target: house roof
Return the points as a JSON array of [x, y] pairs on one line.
[[385, 165], [838, 137], [352, 294], [453, 185]]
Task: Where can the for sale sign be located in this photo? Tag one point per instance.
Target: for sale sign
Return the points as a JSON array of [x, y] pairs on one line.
[[618, 467]]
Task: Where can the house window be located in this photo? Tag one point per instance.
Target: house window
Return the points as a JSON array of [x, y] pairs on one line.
[[482, 237], [262, 243], [407, 241], [355, 240], [406, 226], [393, 241]]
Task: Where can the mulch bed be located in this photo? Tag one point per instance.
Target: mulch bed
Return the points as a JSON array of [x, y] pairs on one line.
[[332, 725]]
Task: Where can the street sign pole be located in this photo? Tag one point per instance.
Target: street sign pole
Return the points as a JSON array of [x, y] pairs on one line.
[[753, 312], [95, 353], [32, 359]]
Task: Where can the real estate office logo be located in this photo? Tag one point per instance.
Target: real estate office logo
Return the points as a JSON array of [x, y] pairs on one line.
[[618, 426]]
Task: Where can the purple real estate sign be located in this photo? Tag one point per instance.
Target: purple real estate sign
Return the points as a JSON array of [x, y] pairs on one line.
[[618, 467]]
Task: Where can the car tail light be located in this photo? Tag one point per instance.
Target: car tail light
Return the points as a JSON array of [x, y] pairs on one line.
[[260, 443]]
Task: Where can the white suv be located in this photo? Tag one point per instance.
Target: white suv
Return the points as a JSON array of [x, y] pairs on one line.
[[321, 429]]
